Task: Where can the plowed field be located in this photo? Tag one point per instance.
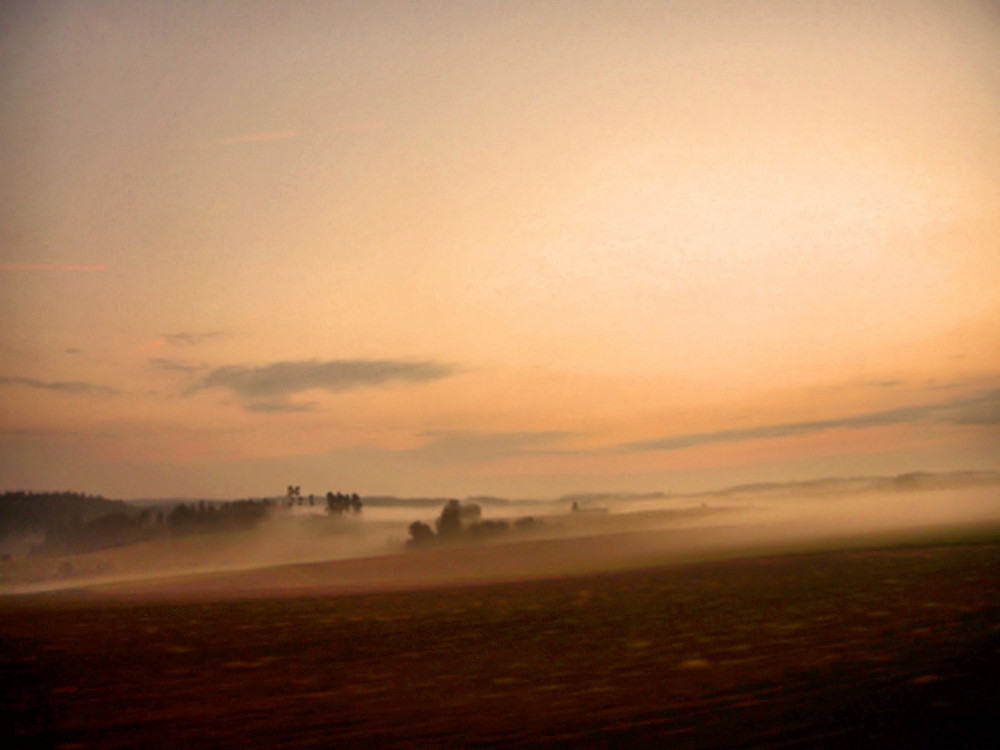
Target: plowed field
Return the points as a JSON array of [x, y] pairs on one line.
[[864, 648]]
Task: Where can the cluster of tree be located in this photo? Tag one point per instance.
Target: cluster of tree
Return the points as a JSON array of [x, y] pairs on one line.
[[335, 503], [293, 496], [123, 528], [342, 503], [238, 515], [462, 521], [112, 530]]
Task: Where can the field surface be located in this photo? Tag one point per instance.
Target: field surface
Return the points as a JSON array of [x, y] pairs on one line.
[[892, 647]]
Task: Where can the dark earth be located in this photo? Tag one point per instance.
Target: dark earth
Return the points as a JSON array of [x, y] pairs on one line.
[[864, 648]]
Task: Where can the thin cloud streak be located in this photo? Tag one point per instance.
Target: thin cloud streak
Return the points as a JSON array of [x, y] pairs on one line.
[[186, 338], [183, 339], [51, 267], [980, 409], [259, 137], [275, 407], [282, 379], [173, 366], [75, 386], [150, 346]]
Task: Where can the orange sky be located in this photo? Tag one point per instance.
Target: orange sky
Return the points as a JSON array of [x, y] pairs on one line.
[[512, 248]]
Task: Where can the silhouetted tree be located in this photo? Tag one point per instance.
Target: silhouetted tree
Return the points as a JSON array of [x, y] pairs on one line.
[[336, 503], [182, 518], [449, 524], [341, 503], [462, 520], [420, 533]]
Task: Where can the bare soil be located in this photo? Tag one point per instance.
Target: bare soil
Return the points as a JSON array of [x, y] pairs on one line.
[[890, 647]]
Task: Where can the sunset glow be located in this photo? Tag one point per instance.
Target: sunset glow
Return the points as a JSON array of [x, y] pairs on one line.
[[522, 249]]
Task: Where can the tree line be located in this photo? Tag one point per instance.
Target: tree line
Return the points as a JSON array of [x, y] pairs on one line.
[[122, 528], [74, 522]]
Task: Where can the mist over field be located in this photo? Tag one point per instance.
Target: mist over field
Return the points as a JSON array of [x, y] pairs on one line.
[[854, 611], [574, 534]]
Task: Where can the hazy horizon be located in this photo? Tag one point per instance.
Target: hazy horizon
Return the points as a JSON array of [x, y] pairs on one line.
[[353, 552], [606, 494], [521, 249]]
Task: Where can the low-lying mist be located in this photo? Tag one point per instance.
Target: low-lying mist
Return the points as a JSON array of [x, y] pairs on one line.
[[567, 536]]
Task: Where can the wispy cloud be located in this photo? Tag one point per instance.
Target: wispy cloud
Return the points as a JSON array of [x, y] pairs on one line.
[[979, 409], [185, 338], [272, 407], [885, 383], [51, 267], [258, 137], [171, 365], [73, 386], [276, 381], [150, 346]]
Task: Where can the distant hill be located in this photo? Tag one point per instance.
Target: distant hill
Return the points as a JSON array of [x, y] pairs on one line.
[[47, 523], [600, 497], [918, 480], [847, 485], [390, 501]]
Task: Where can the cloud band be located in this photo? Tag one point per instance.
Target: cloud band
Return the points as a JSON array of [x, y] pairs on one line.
[[281, 379], [980, 409]]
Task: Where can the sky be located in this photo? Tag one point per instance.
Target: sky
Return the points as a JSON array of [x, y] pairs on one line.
[[507, 248]]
